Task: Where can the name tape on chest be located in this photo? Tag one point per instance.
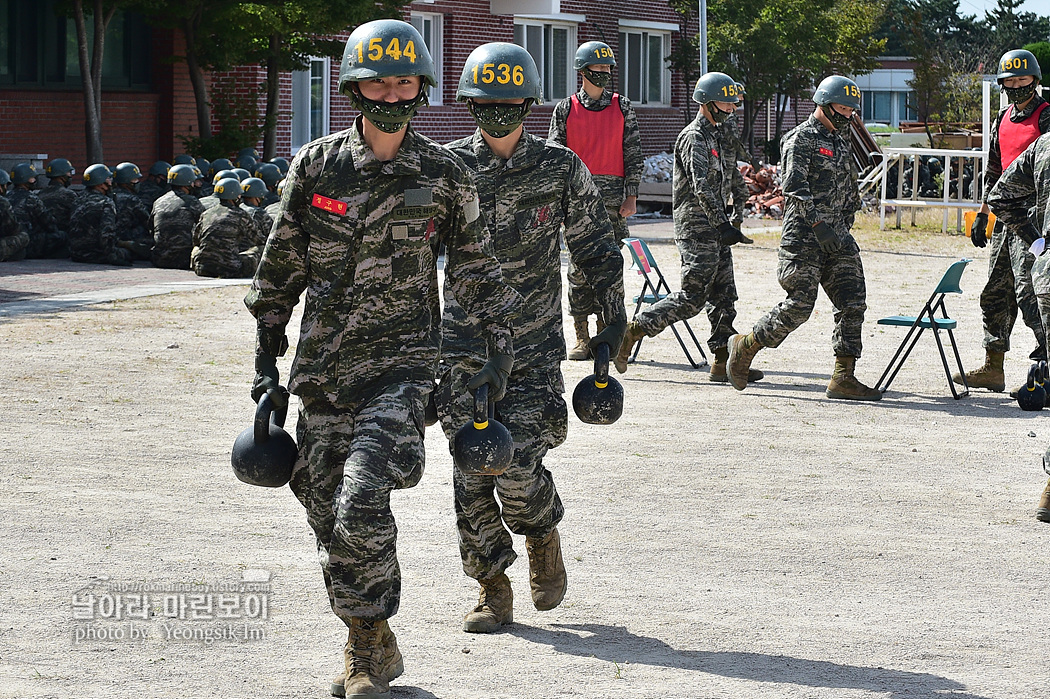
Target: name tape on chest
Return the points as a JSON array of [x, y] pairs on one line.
[[333, 206], [827, 151]]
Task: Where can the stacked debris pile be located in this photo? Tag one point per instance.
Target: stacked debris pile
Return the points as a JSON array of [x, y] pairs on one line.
[[767, 198], [658, 168]]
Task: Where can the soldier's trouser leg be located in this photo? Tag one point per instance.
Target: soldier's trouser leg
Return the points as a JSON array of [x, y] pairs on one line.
[[536, 415], [700, 258], [721, 301], [843, 281], [582, 299], [350, 458], [13, 247], [998, 298], [799, 272], [1021, 265]]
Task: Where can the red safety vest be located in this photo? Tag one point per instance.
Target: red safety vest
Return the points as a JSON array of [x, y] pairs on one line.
[[1014, 137], [597, 137]]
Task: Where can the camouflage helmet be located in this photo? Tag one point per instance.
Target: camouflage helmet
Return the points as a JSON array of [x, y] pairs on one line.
[[241, 173], [248, 151], [221, 164], [228, 188], [268, 173], [183, 159], [223, 174], [159, 168], [96, 175], [183, 175], [715, 87], [500, 71], [385, 48], [126, 173], [60, 167], [837, 89], [282, 165], [1018, 63], [5, 179], [254, 187], [22, 173], [593, 53]]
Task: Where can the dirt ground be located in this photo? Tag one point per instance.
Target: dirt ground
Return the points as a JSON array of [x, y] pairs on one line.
[[770, 544]]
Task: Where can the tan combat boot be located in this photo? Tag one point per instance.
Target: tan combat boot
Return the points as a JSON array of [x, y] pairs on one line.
[[495, 606], [580, 351], [634, 333], [718, 369], [1042, 513], [371, 658], [546, 571], [844, 384], [990, 375], [742, 351]]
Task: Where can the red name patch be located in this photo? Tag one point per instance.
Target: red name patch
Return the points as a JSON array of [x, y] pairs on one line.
[[827, 151], [714, 152], [331, 205]]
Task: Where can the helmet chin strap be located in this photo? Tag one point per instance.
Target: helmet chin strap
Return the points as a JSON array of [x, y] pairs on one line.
[[719, 116]]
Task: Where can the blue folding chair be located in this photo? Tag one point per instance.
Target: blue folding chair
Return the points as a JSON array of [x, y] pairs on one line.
[[645, 265], [928, 319]]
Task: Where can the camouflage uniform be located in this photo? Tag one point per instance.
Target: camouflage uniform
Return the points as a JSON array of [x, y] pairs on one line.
[[13, 240], [225, 243], [820, 184], [93, 231], [272, 210], [60, 200], [368, 347], [133, 219], [45, 238], [262, 221], [525, 199], [172, 221], [149, 191], [614, 189], [703, 177], [209, 201], [1009, 285]]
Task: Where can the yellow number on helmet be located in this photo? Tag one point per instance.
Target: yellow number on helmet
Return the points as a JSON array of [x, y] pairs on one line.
[[518, 76], [375, 48], [504, 74], [410, 51], [487, 75], [393, 49]]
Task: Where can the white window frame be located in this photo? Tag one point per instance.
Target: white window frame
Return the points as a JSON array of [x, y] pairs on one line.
[[302, 102], [547, 27], [645, 32], [434, 46]]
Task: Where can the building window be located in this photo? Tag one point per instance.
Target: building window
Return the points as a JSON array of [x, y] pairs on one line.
[[551, 46], [429, 27], [38, 48], [904, 112], [644, 75], [310, 102]]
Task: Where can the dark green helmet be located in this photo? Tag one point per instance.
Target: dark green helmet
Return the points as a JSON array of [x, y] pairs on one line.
[[228, 188], [249, 151], [385, 48], [60, 167], [5, 179], [282, 165], [22, 173], [247, 162], [160, 168], [241, 174], [125, 173], [223, 174], [183, 159], [268, 173], [203, 164], [183, 175], [96, 175], [254, 187], [220, 165], [715, 87], [500, 71], [1018, 63], [593, 53], [837, 89]]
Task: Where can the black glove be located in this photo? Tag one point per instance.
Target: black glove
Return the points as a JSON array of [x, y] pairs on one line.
[[728, 234], [612, 336], [827, 239], [978, 235], [270, 344], [494, 373], [1028, 233]]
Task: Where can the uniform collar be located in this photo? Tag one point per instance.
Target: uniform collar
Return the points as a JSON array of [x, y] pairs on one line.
[[1016, 116], [405, 162], [528, 152], [594, 104], [819, 125]]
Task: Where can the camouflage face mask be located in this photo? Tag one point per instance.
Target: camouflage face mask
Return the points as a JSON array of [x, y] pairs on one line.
[[499, 120], [598, 78], [1019, 95], [389, 117], [717, 115], [837, 120]]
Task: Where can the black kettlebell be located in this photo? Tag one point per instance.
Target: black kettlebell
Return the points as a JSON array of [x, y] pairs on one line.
[[264, 453], [598, 399], [484, 446], [1032, 396]]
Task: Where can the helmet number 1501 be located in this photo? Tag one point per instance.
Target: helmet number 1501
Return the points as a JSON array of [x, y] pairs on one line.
[[502, 74], [393, 50]]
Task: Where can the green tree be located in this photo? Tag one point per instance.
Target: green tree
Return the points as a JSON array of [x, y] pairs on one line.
[[1041, 49]]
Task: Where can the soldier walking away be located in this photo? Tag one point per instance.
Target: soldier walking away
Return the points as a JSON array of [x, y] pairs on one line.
[[132, 212], [1022, 188], [225, 239], [359, 229], [816, 246], [13, 240], [59, 198], [1009, 285], [173, 218], [529, 189], [156, 183], [704, 168], [608, 142], [93, 229]]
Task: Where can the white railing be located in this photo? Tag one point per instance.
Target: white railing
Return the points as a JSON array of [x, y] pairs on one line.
[[950, 158]]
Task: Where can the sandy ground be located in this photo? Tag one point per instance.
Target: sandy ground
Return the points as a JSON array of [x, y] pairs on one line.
[[771, 543]]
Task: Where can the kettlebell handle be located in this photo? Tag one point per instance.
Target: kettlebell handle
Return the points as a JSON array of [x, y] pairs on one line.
[[265, 413], [601, 365], [1034, 372], [483, 410]]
